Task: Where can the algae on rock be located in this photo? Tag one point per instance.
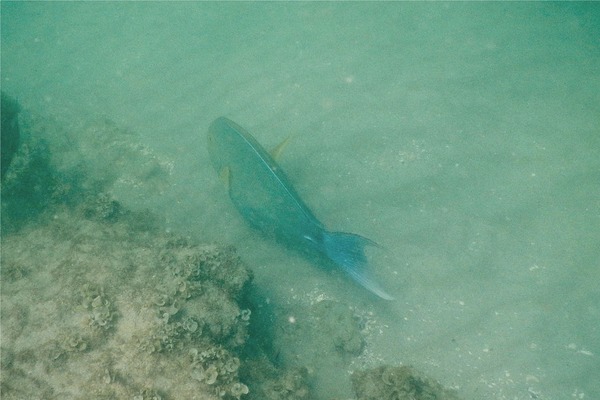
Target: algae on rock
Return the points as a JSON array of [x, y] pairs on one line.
[[98, 301], [84, 317], [397, 383]]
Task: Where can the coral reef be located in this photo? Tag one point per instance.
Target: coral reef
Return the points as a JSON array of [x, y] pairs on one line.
[[118, 317], [99, 302], [397, 383], [115, 314]]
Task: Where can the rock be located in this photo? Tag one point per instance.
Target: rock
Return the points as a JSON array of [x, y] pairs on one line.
[[397, 383], [93, 323]]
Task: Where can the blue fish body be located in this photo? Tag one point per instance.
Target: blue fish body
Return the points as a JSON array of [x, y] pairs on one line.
[[264, 196]]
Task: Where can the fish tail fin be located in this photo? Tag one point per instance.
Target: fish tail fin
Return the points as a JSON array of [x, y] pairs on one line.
[[348, 251]]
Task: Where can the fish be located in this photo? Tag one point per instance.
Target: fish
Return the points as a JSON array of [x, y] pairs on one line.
[[264, 196]]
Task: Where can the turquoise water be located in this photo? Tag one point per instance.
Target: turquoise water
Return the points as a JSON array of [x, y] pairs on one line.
[[464, 138]]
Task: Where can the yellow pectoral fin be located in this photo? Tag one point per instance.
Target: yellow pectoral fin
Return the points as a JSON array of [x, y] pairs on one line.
[[225, 176], [277, 150]]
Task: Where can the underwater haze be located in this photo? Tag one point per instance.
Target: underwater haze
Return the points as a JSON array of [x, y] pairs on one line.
[[463, 138]]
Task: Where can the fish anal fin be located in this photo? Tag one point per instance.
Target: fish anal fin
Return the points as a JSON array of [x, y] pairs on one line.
[[225, 176], [278, 150]]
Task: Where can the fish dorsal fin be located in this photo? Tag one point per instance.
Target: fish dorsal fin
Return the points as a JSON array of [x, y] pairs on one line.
[[225, 176], [277, 150]]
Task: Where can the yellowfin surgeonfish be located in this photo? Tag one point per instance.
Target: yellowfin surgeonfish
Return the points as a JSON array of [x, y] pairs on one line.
[[264, 196]]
